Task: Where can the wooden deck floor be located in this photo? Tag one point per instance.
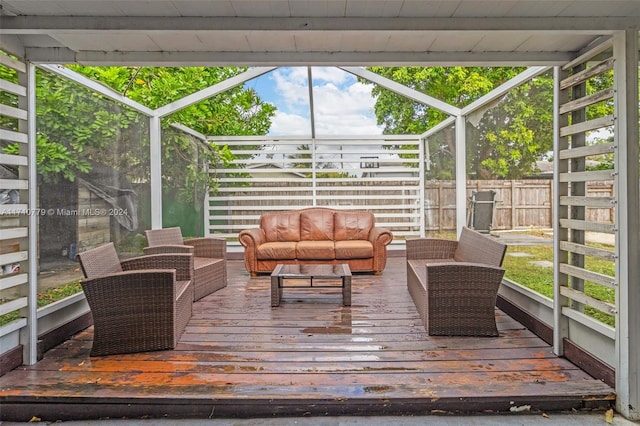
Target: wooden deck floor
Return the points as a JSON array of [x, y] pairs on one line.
[[311, 356]]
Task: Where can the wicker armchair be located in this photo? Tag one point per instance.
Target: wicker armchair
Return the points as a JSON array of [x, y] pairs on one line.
[[209, 261], [140, 304], [454, 284]]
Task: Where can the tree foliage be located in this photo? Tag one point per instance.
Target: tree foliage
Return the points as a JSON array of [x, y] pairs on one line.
[[76, 126], [238, 111], [509, 137]]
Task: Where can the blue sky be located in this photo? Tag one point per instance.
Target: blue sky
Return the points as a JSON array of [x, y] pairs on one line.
[[342, 105]]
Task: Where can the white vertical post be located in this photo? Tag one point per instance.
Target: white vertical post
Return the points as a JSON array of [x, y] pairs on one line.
[[560, 323], [627, 212], [461, 173], [31, 349], [423, 157], [155, 153]]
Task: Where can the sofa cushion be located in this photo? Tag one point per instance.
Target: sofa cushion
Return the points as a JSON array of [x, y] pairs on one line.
[[274, 250], [316, 224], [354, 249], [315, 250], [353, 225], [281, 226]]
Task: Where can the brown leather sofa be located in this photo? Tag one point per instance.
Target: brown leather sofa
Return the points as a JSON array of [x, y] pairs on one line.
[[316, 235]]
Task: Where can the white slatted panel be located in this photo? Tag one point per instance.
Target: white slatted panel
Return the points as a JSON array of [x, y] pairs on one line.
[[14, 187], [581, 285], [364, 173]]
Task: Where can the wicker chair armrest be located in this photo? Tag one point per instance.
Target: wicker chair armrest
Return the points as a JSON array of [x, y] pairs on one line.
[[102, 292], [214, 248], [430, 248], [470, 277], [169, 248], [182, 263], [380, 236], [252, 238]]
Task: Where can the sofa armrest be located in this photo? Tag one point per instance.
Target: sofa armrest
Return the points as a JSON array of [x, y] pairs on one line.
[[380, 235], [213, 248], [430, 248], [251, 238]]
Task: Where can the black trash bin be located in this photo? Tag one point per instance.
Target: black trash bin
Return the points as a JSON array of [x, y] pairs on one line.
[[481, 207]]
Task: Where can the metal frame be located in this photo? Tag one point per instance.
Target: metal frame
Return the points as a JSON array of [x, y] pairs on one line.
[[625, 46]]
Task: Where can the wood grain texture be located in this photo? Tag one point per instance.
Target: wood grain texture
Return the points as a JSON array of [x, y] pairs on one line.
[[239, 357]]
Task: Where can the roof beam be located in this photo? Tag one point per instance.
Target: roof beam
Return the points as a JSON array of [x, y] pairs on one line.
[[12, 44], [218, 58], [48, 24]]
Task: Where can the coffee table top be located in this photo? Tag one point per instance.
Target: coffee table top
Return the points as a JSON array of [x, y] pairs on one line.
[[321, 270]]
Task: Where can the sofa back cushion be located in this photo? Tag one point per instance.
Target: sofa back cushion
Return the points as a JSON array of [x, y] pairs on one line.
[[351, 225], [477, 248], [281, 226], [316, 224]]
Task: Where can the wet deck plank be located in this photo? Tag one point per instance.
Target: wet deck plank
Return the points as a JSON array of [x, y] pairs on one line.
[[239, 357]]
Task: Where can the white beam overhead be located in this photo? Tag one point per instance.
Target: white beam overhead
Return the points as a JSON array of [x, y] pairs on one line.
[[403, 90], [217, 58], [144, 24], [309, 32], [212, 90], [503, 89], [97, 87]]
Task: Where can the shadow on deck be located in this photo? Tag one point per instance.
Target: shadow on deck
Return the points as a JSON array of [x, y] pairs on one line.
[[309, 357]]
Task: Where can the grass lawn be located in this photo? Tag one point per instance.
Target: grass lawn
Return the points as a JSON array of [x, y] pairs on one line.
[[525, 271], [45, 298]]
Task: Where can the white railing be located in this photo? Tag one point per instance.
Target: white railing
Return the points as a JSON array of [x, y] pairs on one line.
[[381, 174]]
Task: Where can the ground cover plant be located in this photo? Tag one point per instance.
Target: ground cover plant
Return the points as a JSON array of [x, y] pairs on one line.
[[528, 272]]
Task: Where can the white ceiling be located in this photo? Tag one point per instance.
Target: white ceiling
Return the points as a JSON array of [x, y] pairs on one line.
[[310, 32]]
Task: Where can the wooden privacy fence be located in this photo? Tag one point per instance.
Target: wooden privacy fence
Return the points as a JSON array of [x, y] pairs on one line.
[[384, 174], [520, 203]]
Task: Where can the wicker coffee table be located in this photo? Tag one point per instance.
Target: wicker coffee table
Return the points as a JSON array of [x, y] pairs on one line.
[[310, 272]]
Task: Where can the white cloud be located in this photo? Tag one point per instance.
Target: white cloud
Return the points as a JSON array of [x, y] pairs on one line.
[[342, 105], [289, 124], [331, 75], [292, 90], [346, 111]]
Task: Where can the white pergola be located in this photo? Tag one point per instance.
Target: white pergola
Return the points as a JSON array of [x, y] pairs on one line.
[[565, 34]]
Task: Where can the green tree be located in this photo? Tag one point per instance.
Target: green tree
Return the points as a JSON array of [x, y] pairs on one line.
[[509, 138], [77, 127], [238, 111]]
